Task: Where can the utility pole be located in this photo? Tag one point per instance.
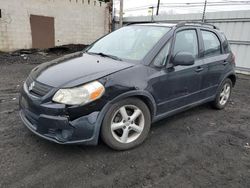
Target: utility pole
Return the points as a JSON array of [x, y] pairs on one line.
[[158, 6], [121, 13], [152, 13], [204, 11]]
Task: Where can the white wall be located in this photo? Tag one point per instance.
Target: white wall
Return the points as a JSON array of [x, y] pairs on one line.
[[76, 21]]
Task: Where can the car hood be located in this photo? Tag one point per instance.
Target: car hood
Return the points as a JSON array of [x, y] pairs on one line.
[[75, 69]]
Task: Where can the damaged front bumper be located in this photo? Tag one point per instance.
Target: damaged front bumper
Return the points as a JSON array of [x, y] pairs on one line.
[[51, 121]]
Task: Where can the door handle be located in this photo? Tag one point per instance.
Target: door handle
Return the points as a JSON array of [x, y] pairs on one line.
[[225, 62], [199, 69]]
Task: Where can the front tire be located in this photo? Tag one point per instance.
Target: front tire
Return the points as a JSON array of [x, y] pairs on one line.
[[223, 95], [126, 124]]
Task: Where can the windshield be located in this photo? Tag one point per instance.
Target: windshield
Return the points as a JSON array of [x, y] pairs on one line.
[[131, 42]]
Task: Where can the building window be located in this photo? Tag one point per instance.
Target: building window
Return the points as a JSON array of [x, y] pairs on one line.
[[0, 13]]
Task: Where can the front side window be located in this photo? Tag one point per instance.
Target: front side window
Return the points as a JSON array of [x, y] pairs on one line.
[[212, 45], [131, 42], [186, 41]]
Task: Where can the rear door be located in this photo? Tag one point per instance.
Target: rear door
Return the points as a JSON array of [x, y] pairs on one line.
[[215, 59]]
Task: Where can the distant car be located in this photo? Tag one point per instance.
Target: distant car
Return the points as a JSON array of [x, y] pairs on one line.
[[126, 80]]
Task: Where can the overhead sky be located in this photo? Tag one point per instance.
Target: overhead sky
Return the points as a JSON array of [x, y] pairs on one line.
[[141, 7]]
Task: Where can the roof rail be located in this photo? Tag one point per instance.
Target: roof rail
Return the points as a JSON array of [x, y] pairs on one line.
[[140, 22], [180, 24]]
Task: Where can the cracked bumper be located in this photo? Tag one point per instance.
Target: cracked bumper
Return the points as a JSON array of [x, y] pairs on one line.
[[52, 123]]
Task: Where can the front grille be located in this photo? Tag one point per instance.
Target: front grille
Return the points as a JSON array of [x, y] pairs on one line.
[[37, 88]]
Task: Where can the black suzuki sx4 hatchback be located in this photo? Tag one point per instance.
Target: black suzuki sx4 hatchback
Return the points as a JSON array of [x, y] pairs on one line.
[[126, 80]]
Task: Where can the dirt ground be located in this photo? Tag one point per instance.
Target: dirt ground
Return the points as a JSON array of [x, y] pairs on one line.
[[201, 147]]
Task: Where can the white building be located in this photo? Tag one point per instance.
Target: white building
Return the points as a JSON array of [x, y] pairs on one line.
[[47, 23]]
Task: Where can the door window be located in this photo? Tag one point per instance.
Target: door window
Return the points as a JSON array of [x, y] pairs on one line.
[[212, 45], [186, 41]]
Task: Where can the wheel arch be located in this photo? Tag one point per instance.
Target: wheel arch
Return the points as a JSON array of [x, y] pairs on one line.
[[232, 77], [144, 96]]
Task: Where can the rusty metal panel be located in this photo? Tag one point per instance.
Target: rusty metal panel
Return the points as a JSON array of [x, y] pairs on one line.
[[42, 31]]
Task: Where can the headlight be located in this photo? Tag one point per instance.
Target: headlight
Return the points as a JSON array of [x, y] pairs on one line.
[[80, 95]]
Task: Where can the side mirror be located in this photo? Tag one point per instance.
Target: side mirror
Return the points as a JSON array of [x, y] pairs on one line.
[[184, 59]]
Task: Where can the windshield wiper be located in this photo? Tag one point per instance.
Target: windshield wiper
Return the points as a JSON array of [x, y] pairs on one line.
[[106, 55]]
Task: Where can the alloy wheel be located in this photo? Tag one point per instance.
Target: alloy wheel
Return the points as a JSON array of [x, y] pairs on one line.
[[127, 124], [225, 94]]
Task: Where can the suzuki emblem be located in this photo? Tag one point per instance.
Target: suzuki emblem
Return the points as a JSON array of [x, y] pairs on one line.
[[31, 86]]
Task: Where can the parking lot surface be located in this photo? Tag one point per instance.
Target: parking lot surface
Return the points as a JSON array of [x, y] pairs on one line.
[[201, 147]]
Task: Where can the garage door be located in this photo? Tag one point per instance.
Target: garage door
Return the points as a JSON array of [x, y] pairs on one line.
[[43, 32]]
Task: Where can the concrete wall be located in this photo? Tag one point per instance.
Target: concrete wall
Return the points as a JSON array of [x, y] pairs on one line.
[[76, 21], [235, 24]]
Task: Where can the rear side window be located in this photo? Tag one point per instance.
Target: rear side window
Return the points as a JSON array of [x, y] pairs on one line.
[[211, 43], [186, 41]]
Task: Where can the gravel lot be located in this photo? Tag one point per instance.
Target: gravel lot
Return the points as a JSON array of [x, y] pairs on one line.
[[201, 147]]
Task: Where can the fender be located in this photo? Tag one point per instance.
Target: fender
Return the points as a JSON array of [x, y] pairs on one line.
[[138, 93], [231, 73], [226, 76]]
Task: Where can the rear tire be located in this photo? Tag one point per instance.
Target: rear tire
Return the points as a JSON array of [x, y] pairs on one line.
[[126, 124], [223, 95]]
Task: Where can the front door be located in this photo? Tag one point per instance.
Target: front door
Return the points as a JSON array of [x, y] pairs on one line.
[[181, 85]]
